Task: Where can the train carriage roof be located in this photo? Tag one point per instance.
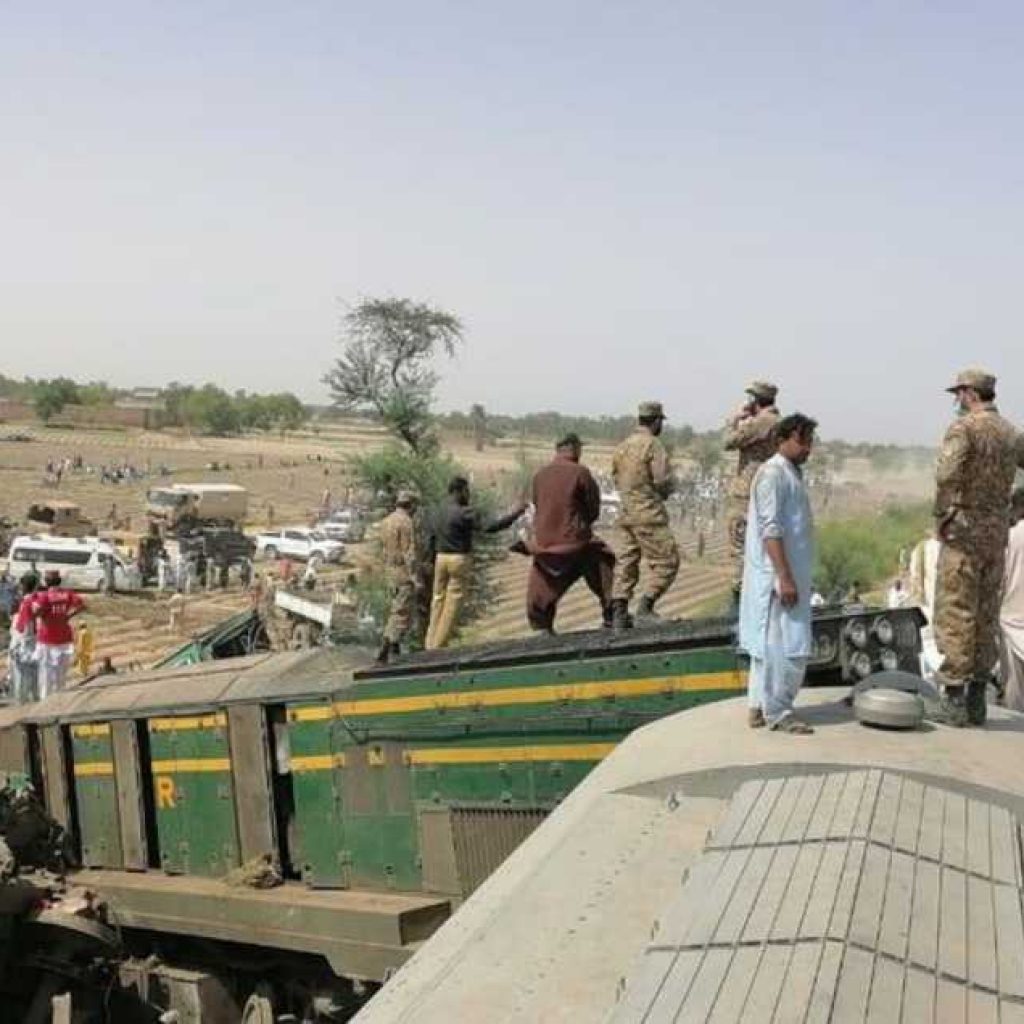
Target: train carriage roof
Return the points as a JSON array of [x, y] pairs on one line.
[[707, 871], [320, 673], [265, 677]]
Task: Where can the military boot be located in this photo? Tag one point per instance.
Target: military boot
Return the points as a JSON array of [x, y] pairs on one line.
[[620, 614], [977, 702], [389, 650], [645, 612], [952, 709]]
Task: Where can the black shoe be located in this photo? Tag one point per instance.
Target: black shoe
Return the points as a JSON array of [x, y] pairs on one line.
[[645, 612], [620, 614], [976, 702], [387, 651], [607, 619]]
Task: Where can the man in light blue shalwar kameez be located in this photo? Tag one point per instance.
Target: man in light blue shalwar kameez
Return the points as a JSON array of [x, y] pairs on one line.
[[775, 602]]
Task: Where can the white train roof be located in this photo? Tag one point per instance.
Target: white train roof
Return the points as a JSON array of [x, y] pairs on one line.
[[706, 871]]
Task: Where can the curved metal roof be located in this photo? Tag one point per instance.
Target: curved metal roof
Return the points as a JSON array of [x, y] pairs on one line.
[[315, 673], [707, 871]]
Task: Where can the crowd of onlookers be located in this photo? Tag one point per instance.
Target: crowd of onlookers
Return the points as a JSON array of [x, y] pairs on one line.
[[55, 470], [44, 644]]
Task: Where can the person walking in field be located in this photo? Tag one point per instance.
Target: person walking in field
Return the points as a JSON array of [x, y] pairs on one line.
[[85, 644], [176, 612], [163, 568]]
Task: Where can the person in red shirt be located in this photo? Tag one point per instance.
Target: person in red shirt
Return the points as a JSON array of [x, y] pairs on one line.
[[53, 609], [567, 503]]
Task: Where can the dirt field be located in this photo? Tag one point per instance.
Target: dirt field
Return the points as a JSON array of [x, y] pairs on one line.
[[289, 476]]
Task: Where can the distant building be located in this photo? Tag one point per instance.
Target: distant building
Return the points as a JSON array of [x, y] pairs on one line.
[[143, 398]]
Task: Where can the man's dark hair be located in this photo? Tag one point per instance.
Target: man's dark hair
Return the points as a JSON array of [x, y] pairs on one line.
[[29, 582], [763, 401], [649, 421], [569, 440], [52, 578], [457, 484], [986, 394], [795, 423]]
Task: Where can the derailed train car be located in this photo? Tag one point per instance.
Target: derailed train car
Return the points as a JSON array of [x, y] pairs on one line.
[[379, 798]]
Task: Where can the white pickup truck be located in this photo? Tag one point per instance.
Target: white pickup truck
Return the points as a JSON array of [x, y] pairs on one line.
[[299, 542]]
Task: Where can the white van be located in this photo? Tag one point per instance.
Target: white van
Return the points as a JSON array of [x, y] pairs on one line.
[[79, 560]]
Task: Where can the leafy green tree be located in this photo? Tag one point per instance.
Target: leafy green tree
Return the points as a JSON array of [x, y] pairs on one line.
[[286, 411], [210, 410], [254, 411], [386, 366], [866, 548], [51, 396], [175, 396], [96, 393]]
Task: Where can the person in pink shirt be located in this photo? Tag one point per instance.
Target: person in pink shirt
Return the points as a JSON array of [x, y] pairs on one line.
[[53, 609]]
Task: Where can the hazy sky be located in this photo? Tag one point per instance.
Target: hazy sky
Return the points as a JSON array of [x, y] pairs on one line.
[[622, 200]]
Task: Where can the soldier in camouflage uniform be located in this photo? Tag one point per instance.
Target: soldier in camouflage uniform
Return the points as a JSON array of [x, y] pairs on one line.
[[643, 478], [401, 572], [750, 432], [980, 454]]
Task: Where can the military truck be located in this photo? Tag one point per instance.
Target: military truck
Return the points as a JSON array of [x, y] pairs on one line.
[[180, 509], [201, 517], [59, 518]]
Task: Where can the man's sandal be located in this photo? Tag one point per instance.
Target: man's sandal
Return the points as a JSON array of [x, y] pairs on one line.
[[792, 724], [755, 718]]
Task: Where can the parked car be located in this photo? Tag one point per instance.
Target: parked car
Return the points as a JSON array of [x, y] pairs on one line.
[[79, 560], [299, 542], [344, 524]]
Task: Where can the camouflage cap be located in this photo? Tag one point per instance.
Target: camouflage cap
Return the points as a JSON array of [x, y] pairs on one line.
[[406, 497], [974, 378], [762, 389], [651, 409]]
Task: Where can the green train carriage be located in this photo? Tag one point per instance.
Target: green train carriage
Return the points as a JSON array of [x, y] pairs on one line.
[[383, 797]]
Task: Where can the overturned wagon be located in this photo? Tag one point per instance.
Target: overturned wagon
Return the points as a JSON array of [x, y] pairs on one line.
[[380, 798]]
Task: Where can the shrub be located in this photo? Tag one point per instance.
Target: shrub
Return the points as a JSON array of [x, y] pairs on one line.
[[866, 548]]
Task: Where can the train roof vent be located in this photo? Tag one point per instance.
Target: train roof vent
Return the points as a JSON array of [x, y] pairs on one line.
[[848, 897]]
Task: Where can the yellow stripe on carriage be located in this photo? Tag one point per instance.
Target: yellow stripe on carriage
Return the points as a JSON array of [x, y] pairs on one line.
[[697, 682], [486, 755]]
